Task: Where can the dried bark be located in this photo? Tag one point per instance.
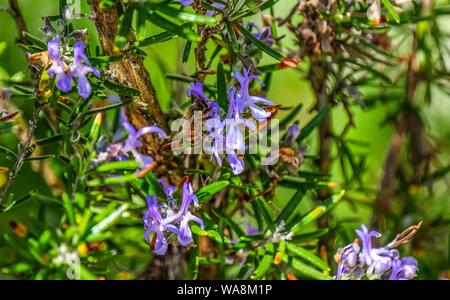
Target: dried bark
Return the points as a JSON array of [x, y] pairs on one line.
[[130, 71], [20, 22]]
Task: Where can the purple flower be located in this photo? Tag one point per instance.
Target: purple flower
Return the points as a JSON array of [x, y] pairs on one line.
[[251, 230], [366, 238], [264, 34], [348, 262], [80, 70], [374, 263], [58, 68], [185, 216], [236, 163], [233, 123], [186, 2], [214, 140], [381, 261], [132, 142], [404, 269], [216, 5], [153, 222], [378, 260], [245, 100], [160, 218], [292, 134], [196, 90], [168, 190]]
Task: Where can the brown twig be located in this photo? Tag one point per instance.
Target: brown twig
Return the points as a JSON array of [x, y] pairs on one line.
[[130, 71], [16, 13], [25, 150], [405, 236]]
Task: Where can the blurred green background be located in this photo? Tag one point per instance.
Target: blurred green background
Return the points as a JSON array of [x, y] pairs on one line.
[[288, 89]]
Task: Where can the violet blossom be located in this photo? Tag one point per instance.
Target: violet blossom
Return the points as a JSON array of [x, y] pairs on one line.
[[264, 34], [132, 142], [246, 100], [404, 269], [154, 222], [121, 150], [228, 134], [79, 68], [58, 67], [186, 2], [373, 262], [349, 261], [160, 219], [185, 216], [378, 260], [292, 134]]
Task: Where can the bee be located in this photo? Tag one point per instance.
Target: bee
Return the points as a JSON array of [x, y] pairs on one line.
[[289, 156]]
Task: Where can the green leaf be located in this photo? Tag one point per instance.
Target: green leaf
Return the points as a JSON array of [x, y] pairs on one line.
[[308, 256], [222, 97], [41, 157], [35, 40], [217, 237], [317, 212], [125, 26], [7, 151], [112, 180], [291, 116], [206, 193], [246, 266], [157, 38], [391, 10], [105, 108], [110, 220], [262, 210], [290, 208], [118, 165], [234, 226], [304, 269], [94, 132], [259, 44], [19, 246], [313, 124], [97, 60], [300, 184], [436, 175], [121, 89], [49, 140], [370, 69], [154, 187], [180, 30], [265, 263], [187, 51], [85, 274], [18, 268], [310, 235], [186, 17], [281, 251], [194, 261], [67, 204], [232, 36]]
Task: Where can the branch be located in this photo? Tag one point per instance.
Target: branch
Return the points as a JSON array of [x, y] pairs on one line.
[[24, 152], [20, 22], [130, 71]]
